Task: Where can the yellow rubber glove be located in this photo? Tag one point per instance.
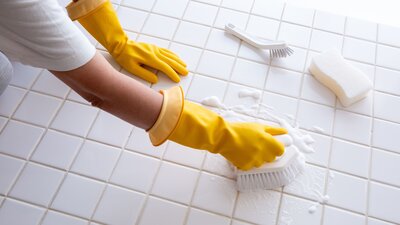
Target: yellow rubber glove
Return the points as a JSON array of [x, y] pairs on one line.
[[245, 145], [98, 17]]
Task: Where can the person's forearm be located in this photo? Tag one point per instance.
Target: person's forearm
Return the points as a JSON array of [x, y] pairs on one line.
[[103, 86]]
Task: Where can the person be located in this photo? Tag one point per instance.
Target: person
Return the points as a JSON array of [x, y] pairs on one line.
[[40, 34]]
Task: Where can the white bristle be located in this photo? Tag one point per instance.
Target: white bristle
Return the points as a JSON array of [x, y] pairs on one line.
[[280, 53]]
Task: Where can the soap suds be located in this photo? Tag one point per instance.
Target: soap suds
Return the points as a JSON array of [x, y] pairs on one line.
[[318, 129], [249, 93], [312, 209], [213, 101]]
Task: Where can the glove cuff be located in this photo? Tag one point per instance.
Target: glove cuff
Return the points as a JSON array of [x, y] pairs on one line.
[[77, 10], [170, 114]]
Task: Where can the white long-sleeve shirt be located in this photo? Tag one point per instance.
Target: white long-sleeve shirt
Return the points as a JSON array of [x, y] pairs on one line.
[[40, 34]]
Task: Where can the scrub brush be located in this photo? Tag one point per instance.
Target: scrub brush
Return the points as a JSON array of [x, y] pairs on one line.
[[277, 49]]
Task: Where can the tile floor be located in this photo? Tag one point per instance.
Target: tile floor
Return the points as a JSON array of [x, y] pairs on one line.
[[64, 162]]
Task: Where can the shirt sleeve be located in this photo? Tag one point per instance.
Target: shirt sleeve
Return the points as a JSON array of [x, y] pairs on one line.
[[40, 34]]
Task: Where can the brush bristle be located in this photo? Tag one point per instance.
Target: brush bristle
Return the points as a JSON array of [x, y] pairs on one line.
[[280, 53]]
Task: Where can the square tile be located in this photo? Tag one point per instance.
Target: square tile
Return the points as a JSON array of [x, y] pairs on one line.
[[283, 81], [236, 222], [41, 181], [9, 170], [190, 55], [17, 213], [241, 95], [387, 56], [75, 118], [3, 122], [298, 15], [159, 211], [153, 40], [372, 221], [73, 96], [13, 133], [110, 129], [324, 41], [271, 9], [200, 13], [387, 80], [259, 207], [361, 29], [164, 82], [119, 206], [96, 160], [352, 127], [329, 22], [294, 34], [381, 103], [383, 202], [140, 142], [145, 5], [199, 217], [230, 16], [322, 148], [280, 103], [192, 34], [311, 115], [380, 138], [382, 164], [359, 50], [295, 62], [389, 35], [348, 192], [78, 196], [216, 65], [223, 42], [184, 155], [296, 211], [10, 100], [24, 75], [250, 52], [271, 27], [135, 171], [349, 157], [200, 83], [175, 182], [160, 26], [49, 84], [164, 7], [131, 19], [212, 2], [337, 216], [217, 164], [238, 5], [249, 73], [221, 191], [315, 91], [38, 109], [53, 217]]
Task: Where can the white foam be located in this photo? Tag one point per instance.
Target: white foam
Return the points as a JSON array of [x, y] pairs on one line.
[[213, 101], [250, 93]]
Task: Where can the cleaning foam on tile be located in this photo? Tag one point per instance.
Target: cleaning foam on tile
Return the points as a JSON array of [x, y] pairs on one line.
[[348, 82], [250, 93]]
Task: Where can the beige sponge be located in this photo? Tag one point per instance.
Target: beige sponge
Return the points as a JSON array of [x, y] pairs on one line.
[[348, 82]]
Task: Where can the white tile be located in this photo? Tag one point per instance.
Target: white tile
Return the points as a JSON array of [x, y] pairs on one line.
[[9, 170], [383, 165], [37, 184], [388, 57], [322, 148], [10, 99], [368, 70], [223, 42], [238, 4], [76, 97], [38, 109], [249, 73], [271, 9], [296, 61], [381, 103], [212, 2], [230, 16], [383, 202], [96, 160], [199, 217], [349, 157], [140, 142], [364, 106], [236, 222], [200, 13], [53, 217], [135, 171], [17, 213], [145, 5], [259, 207], [348, 192], [353, 127], [220, 191], [3, 122], [250, 52], [50, 84], [74, 118], [13, 133], [359, 50], [57, 149], [315, 91], [334, 216], [192, 34], [153, 40], [174, 8], [131, 19], [78, 196], [389, 35], [299, 15], [233, 96], [159, 211], [160, 26], [175, 182], [110, 129], [312, 115], [184, 155], [280, 103], [294, 34], [216, 65], [24, 75], [200, 83], [329, 22], [380, 138], [217, 164], [283, 81], [387, 80], [324, 41], [190, 55], [295, 211], [361, 29], [270, 26], [164, 82], [372, 221], [119, 206], [309, 184]]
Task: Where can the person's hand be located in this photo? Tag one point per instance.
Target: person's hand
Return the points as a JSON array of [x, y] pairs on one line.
[[100, 20], [245, 145]]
